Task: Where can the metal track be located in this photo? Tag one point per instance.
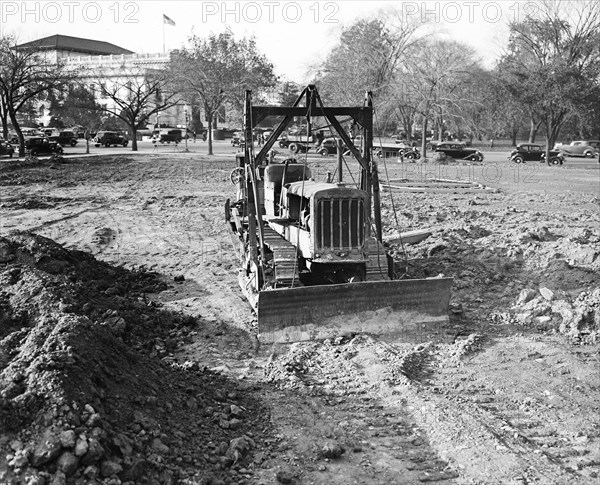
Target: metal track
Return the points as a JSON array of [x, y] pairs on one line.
[[285, 259], [377, 266]]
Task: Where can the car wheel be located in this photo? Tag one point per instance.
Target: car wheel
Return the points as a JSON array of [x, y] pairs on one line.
[[107, 145], [59, 150], [410, 156], [323, 152], [73, 143], [518, 159], [474, 158], [429, 147], [237, 175], [555, 161], [282, 144], [33, 152], [294, 148], [125, 144], [588, 154]]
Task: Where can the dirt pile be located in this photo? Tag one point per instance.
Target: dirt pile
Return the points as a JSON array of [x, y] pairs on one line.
[[497, 254], [89, 391], [578, 318]]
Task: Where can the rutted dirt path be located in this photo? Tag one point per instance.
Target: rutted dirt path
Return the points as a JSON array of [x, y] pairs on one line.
[[508, 392]]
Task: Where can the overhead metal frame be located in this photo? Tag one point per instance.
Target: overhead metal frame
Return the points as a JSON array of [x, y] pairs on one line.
[[313, 107]]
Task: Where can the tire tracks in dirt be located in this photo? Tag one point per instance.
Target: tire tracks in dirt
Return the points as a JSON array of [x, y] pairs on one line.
[[475, 413]]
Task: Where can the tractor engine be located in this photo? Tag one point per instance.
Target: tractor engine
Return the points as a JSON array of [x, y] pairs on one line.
[[326, 223]]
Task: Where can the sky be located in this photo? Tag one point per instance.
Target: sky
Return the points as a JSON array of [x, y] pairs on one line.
[[295, 35]]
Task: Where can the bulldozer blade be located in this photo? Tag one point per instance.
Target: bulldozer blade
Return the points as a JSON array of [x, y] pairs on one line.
[[379, 307]]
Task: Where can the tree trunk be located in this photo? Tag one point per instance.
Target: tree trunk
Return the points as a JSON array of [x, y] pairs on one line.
[[533, 129], [4, 120], [548, 136], [17, 129], [209, 134], [86, 134], [513, 137], [134, 147], [552, 139], [407, 125], [554, 127], [424, 138]]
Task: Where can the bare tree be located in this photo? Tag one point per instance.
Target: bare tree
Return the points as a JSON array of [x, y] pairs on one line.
[[217, 70], [3, 114], [136, 97], [368, 57], [502, 112], [26, 74], [77, 107], [433, 76], [552, 63]]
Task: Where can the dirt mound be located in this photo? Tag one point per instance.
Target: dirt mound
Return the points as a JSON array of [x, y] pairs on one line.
[[84, 398], [578, 318]]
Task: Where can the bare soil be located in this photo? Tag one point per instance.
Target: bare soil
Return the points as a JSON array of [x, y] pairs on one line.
[[128, 355]]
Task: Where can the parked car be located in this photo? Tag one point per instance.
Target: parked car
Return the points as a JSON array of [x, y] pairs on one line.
[[283, 142], [36, 145], [328, 147], [6, 148], [404, 142], [167, 135], [459, 151], [358, 141], [409, 153], [529, 152], [580, 148], [432, 144], [237, 138], [14, 139], [110, 138], [64, 138]]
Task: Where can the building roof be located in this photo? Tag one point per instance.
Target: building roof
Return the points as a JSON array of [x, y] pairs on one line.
[[75, 44]]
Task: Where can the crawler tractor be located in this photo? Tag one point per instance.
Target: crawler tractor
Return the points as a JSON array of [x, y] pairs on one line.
[[312, 260]]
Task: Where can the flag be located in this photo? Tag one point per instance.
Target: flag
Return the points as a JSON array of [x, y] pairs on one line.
[[168, 21]]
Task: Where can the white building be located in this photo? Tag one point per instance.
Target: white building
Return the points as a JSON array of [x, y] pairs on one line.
[[102, 62]]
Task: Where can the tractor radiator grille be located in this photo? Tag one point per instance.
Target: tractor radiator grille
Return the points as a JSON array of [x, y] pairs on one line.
[[340, 224]]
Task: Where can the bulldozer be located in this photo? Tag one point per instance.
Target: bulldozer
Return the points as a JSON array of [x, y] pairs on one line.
[[312, 260]]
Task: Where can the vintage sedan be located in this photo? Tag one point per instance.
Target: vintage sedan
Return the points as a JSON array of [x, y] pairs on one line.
[[64, 138], [6, 148], [110, 138], [459, 151], [530, 152], [14, 139], [580, 148], [36, 145], [168, 135], [328, 147]]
